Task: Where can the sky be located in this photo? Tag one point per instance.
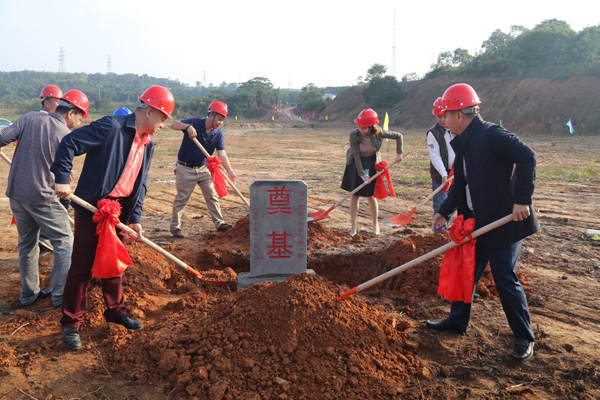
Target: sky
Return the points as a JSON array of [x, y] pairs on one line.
[[291, 43]]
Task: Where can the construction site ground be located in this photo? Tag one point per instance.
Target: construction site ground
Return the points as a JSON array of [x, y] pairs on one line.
[[293, 340]]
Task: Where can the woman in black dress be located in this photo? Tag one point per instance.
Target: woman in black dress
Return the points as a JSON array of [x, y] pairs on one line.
[[365, 143]]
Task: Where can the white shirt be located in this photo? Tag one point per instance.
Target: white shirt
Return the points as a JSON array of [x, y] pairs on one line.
[[434, 152]]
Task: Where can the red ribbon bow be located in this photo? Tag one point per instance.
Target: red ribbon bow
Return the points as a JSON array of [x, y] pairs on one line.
[[457, 274], [449, 183], [217, 175], [111, 255], [380, 191]]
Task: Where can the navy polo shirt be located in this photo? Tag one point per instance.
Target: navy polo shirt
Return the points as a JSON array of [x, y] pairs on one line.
[[189, 152]]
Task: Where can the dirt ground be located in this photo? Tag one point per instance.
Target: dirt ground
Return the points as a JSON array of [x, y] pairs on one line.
[[292, 340]]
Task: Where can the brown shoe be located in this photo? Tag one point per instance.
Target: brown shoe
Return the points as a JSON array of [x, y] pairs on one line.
[[178, 233]]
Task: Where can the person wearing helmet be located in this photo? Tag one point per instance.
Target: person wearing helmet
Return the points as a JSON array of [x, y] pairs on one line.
[[50, 96], [118, 153], [441, 154], [494, 177], [34, 205], [121, 111], [361, 157], [191, 169]]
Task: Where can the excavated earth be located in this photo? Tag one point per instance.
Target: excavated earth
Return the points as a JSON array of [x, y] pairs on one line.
[[293, 340]]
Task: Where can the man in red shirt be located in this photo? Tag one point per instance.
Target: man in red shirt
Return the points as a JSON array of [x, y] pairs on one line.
[[118, 154]]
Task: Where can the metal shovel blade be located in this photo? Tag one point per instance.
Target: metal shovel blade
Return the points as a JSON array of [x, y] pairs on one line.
[[319, 215], [400, 219]]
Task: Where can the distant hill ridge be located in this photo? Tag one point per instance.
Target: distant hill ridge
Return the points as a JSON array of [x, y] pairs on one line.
[[530, 105]]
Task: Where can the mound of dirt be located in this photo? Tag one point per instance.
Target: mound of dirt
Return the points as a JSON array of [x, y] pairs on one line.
[[290, 340]]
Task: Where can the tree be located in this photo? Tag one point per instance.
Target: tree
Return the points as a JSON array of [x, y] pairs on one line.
[[461, 57], [384, 92], [311, 99], [376, 71], [411, 76]]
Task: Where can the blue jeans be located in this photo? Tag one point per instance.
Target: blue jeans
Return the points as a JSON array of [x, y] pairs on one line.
[[503, 263], [53, 221], [438, 199]]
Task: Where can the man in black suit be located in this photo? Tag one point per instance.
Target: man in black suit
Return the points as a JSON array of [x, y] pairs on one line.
[[494, 176]]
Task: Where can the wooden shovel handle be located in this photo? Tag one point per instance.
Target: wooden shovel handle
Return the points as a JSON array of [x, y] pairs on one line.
[[127, 229], [365, 183], [436, 191], [5, 158], [224, 173], [425, 257]]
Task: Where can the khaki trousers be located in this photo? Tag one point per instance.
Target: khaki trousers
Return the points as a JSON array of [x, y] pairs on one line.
[[186, 179]]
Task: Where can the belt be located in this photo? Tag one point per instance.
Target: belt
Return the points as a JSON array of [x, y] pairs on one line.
[[188, 165]]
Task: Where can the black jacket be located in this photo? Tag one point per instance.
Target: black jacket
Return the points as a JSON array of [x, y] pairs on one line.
[[500, 173]]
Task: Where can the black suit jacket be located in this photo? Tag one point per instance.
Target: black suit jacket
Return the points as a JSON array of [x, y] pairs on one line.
[[500, 172]]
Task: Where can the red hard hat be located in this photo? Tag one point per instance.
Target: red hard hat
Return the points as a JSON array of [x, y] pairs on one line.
[[160, 98], [366, 118], [78, 99], [219, 107], [459, 96], [437, 107], [51, 91]]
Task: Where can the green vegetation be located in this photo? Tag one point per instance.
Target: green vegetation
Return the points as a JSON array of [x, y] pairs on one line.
[[585, 173], [19, 92], [382, 90], [550, 50]]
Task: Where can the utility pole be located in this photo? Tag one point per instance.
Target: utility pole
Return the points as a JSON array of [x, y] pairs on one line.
[[108, 65], [61, 60]]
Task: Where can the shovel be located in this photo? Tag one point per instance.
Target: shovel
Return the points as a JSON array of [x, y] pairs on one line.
[[319, 215], [401, 219], [165, 253], [224, 174], [425, 257]]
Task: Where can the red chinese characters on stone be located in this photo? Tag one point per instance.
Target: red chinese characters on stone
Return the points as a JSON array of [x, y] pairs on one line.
[[279, 201], [279, 247]]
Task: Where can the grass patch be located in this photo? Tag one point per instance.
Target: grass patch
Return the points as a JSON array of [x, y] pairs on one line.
[[585, 173]]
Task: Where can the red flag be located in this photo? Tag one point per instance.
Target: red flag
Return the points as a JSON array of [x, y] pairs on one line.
[[449, 183], [457, 274], [380, 191], [12, 221], [111, 255], [217, 175]]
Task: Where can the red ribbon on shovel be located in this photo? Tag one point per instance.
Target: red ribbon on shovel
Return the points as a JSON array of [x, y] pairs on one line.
[[214, 166], [111, 255], [457, 273], [449, 182], [380, 191]]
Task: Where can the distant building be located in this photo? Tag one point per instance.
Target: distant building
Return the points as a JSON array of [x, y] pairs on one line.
[[329, 96]]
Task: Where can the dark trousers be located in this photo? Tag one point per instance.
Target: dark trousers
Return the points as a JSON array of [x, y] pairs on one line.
[[503, 263], [80, 273]]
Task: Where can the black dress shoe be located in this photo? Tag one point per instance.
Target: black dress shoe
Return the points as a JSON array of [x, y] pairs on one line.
[[129, 323], [70, 337], [223, 227], [523, 350], [443, 326], [44, 293]]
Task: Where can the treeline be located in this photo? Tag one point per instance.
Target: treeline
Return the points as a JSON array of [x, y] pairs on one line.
[[550, 50], [19, 92]]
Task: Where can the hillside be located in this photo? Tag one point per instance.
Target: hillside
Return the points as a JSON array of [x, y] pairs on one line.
[[530, 105]]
